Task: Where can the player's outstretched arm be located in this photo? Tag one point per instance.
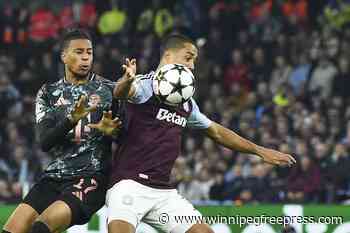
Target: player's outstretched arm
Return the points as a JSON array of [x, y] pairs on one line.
[[124, 88], [51, 132], [233, 141]]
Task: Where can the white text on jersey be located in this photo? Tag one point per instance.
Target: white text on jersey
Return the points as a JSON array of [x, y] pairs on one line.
[[164, 114]]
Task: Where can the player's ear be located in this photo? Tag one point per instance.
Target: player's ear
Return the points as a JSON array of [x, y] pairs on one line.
[[167, 56], [63, 57]]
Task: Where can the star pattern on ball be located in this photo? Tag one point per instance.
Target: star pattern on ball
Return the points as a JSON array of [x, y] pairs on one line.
[[179, 68], [177, 87]]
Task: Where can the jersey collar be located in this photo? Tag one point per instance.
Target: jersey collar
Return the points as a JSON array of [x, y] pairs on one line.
[[91, 77]]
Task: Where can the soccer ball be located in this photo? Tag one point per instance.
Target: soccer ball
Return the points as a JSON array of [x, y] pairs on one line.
[[173, 84]]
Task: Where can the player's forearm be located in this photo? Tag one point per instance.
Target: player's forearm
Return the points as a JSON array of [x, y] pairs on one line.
[[52, 134], [123, 89], [231, 140]]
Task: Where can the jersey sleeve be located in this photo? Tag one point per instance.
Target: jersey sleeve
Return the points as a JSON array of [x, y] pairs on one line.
[[143, 89], [110, 84], [107, 82], [49, 129], [197, 120], [42, 109]]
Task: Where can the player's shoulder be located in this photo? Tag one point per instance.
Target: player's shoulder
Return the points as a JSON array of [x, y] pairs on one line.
[[147, 76], [50, 87], [193, 106], [99, 78], [192, 102], [144, 80], [42, 91]]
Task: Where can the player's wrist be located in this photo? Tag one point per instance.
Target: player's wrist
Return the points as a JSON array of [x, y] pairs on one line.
[[110, 132], [258, 150], [129, 79]]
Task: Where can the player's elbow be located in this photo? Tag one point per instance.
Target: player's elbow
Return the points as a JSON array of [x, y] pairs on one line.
[[122, 90], [216, 137], [214, 133], [117, 93]]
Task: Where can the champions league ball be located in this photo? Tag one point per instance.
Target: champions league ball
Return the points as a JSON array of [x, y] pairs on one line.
[[173, 84]]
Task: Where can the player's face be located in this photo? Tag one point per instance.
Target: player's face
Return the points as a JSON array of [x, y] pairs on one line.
[[78, 57], [185, 56]]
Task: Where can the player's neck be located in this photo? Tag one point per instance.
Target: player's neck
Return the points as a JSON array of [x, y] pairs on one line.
[[73, 79]]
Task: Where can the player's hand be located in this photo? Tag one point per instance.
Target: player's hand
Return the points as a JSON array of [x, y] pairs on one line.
[[275, 157], [107, 125], [80, 110], [129, 69]]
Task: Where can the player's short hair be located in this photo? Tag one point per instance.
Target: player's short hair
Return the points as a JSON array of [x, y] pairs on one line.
[[174, 41], [73, 34]]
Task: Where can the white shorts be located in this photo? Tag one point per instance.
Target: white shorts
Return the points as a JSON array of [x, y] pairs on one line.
[[133, 202]]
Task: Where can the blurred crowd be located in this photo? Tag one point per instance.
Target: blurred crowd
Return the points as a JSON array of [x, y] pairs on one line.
[[271, 70]]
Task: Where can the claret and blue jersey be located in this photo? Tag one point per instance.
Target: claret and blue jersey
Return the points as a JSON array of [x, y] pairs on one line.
[[148, 150]]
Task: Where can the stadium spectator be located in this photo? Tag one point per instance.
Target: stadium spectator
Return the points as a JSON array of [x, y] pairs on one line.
[[43, 25], [322, 78], [237, 72], [10, 98], [216, 191], [341, 81], [338, 174], [297, 8], [304, 182], [260, 70], [87, 14], [299, 75], [280, 74]]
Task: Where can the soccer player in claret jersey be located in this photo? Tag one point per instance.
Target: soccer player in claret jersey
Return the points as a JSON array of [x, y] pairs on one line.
[[139, 187], [69, 128]]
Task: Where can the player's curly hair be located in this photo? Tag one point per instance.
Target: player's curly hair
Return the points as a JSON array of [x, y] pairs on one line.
[[73, 34]]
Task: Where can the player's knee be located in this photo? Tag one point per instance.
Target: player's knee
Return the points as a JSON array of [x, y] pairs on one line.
[[15, 227], [42, 219], [21, 219], [200, 228], [118, 226], [39, 227], [56, 217]]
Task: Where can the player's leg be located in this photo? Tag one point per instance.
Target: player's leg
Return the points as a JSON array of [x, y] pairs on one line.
[[57, 217], [33, 204], [200, 228], [21, 219], [127, 202], [169, 215], [79, 200], [120, 226]]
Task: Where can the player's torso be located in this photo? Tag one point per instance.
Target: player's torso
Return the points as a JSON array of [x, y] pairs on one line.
[[152, 143], [82, 150]]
